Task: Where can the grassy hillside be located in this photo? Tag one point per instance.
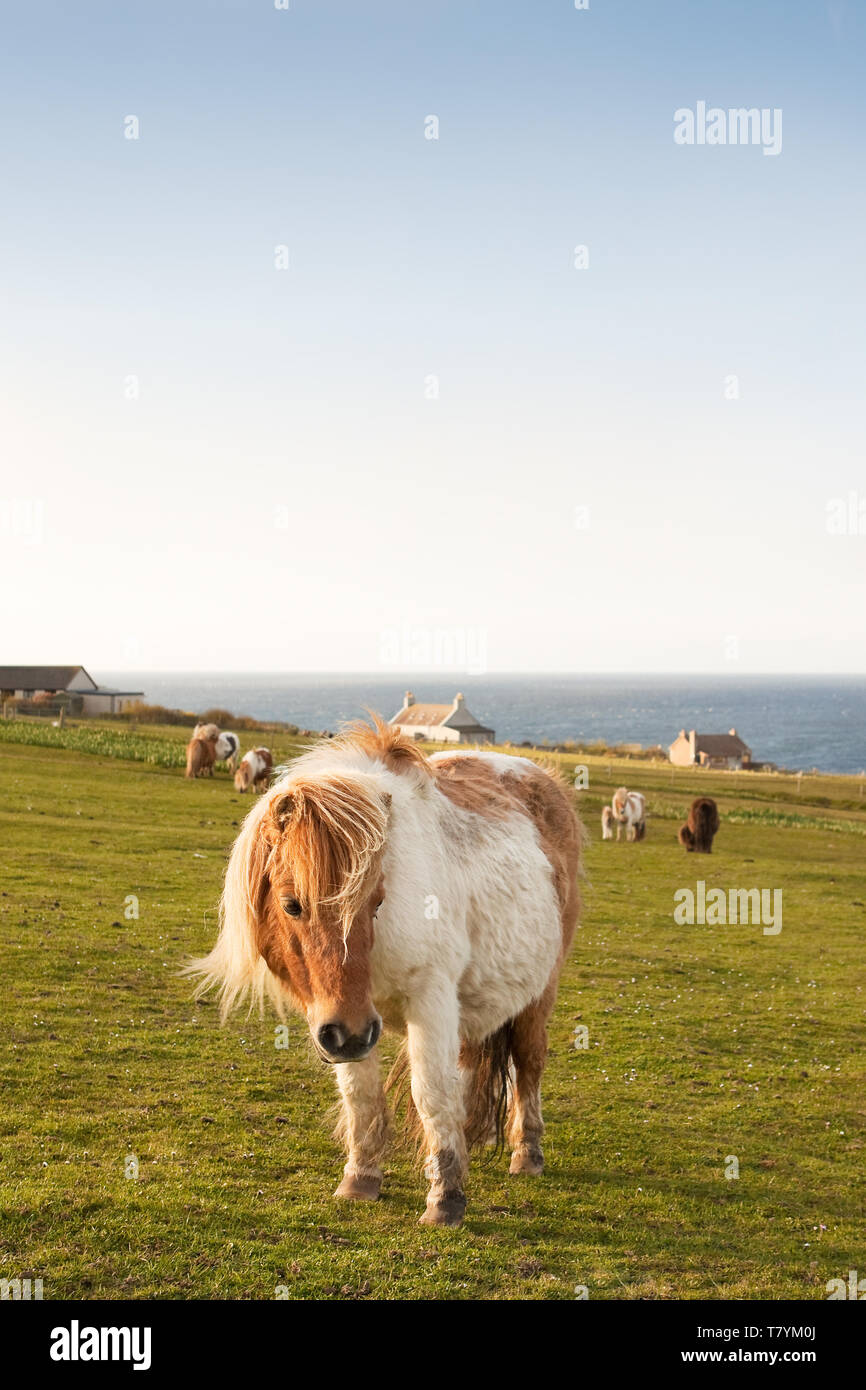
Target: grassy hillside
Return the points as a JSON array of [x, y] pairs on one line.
[[704, 1043]]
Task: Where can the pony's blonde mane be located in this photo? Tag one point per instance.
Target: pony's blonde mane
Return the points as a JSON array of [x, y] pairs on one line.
[[360, 743]]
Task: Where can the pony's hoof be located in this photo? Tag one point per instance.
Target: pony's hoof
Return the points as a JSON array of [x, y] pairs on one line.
[[527, 1160], [355, 1188], [445, 1211]]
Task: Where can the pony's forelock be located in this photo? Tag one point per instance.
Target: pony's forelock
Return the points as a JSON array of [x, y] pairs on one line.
[[327, 834], [332, 834]]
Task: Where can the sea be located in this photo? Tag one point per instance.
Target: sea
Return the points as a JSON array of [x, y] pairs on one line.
[[798, 722]]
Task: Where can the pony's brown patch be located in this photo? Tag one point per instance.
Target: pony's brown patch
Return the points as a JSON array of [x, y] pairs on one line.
[[544, 797], [474, 785]]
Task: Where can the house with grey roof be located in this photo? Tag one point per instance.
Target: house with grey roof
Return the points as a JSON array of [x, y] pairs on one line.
[[726, 751], [452, 723], [72, 684]]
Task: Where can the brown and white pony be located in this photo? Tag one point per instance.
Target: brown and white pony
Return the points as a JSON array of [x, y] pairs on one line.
[[255, 770], [199, 757], [435, 896], [607, 822], [700, 829], [629, 812]]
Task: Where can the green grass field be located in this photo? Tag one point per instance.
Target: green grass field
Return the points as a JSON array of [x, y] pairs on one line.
[[704, 1043]]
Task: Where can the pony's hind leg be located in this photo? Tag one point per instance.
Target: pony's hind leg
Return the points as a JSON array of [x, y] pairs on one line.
[[529, 1054], [364, 1127]]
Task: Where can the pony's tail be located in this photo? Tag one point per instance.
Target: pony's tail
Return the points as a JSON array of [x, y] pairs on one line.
[[487, 1068], [398, 1086], [686, 838], [489, 1065]]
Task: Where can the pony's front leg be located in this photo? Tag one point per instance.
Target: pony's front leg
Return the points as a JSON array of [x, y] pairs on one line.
[[437, 1090], [364, 1127]]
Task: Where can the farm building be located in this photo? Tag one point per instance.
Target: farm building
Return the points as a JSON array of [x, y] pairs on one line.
[[445, 723], [69, 685], [726, 751]]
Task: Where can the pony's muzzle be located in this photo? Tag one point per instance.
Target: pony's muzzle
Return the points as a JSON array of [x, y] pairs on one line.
[[337, 1044]]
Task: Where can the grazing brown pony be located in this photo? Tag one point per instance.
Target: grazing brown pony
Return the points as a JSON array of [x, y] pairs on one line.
[[700, 828], [200, 755], [435, 896]]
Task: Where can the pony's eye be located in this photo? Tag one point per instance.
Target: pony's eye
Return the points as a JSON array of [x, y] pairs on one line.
[[292, 907]]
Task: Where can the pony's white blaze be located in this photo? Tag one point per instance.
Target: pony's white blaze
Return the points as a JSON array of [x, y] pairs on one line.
[[471, 860]]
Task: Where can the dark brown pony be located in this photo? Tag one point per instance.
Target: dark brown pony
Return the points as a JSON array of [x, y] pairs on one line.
[[700, 828]]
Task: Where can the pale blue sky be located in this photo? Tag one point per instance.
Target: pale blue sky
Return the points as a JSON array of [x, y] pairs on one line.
[[282, 494]]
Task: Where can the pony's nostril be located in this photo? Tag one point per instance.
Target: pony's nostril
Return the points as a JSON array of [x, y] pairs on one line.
[[374, 1032], [331, 1037]]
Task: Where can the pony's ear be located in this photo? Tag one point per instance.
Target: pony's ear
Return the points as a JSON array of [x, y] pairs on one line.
[[386, 800], [282, 810]]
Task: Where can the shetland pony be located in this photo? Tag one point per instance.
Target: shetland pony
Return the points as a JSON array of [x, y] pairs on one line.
[[607, 823], [254, 770], [199, 757], [228, 746], [629, 812], [373, 886], [701, 827]]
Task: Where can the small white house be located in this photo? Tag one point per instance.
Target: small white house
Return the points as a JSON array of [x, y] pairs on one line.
[[441, 723]]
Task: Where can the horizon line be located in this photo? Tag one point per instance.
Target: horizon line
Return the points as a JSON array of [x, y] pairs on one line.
[[460, 674]]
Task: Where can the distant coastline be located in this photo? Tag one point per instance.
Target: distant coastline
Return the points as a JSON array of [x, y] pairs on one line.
[[797, 722]]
